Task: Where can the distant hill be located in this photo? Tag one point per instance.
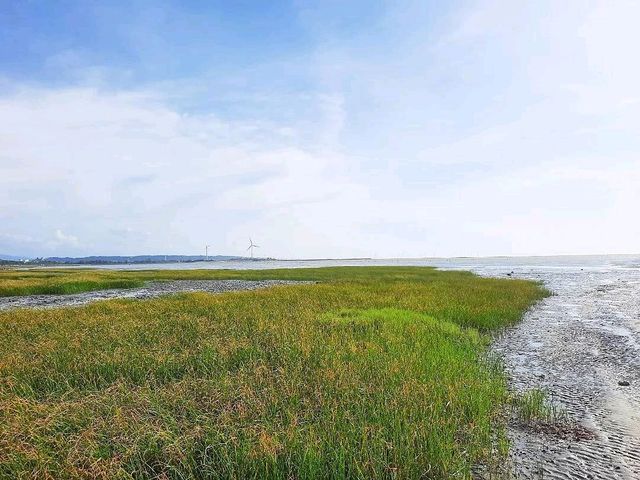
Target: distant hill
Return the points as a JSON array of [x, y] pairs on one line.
[[119, 259], [15, 258]]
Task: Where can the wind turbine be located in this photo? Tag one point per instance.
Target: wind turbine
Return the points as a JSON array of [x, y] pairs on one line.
[[206, 252], [252, 246]]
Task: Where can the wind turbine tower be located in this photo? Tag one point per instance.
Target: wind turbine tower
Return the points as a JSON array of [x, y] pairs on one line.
[[252, 246], [206, 252]]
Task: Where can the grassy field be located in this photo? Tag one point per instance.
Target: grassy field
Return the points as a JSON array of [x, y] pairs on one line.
[[374, 372], [47, 282]]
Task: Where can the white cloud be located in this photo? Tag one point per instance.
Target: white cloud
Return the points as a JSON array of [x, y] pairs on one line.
[[64, 239]]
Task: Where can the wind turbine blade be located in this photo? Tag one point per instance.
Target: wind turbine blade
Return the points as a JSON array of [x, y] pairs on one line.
[[249, 248], [257, 246]]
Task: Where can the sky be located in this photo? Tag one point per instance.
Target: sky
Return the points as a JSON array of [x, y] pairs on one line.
[[319, 129]]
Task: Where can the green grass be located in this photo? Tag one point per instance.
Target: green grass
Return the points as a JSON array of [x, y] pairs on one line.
[[373, 373], [60, 282], [533, 406]]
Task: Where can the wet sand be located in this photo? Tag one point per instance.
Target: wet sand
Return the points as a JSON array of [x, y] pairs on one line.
[[581, 346], [150, 290]]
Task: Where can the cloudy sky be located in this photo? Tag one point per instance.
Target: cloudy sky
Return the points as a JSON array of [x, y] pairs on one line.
[[329, 128]]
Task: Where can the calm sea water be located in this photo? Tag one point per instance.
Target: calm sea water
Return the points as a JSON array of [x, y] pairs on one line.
[[486, 264]]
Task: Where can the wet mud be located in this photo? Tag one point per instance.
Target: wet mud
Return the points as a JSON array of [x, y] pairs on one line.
[[581, 346]]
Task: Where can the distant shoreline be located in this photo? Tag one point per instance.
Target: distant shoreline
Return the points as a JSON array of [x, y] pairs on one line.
[[114, 260]]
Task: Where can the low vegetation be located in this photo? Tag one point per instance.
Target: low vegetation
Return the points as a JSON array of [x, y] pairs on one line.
[[533, 407], [61, 282], [371, 373], [534, 410]]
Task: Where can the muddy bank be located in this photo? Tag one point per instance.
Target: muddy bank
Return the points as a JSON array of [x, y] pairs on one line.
[[582, 346], [150, 290]]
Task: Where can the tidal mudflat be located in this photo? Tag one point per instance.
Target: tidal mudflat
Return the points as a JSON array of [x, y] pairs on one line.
[[582, 347]]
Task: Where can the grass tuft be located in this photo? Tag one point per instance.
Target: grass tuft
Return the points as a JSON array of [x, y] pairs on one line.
[[533, 406]]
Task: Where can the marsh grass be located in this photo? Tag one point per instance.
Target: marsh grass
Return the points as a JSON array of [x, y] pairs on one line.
[[372, 373], [15, 282], [533, 407]]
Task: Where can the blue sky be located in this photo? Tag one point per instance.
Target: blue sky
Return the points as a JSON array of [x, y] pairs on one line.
[[404, 128]]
